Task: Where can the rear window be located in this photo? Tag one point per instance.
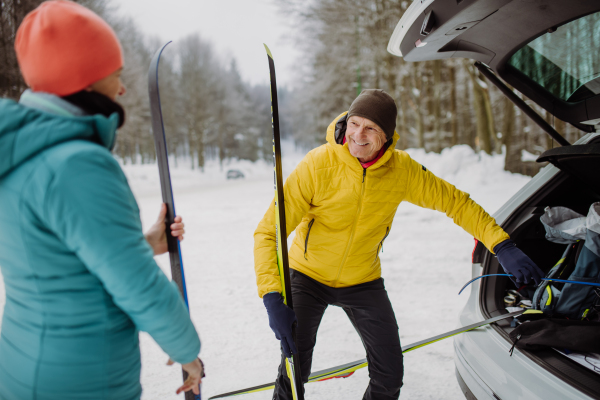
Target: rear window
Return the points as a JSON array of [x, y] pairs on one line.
[[565, 62]]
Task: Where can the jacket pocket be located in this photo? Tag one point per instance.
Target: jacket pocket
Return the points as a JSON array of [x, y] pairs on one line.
[[310, 224], [387, 232]]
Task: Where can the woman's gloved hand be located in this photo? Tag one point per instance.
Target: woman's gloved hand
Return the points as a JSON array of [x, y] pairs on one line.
[[281, 319], [515, 262]]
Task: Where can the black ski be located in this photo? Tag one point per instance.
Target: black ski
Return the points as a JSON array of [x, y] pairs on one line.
[[292, 363], [160, 143], [345, 370]]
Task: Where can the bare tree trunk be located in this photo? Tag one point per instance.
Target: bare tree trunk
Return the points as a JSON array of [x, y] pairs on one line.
[[200, 147], [491, 129], [391, 75], [508, 127], [482, 104], [469, 132], [12, 13], [560, 127], [549, 141], [415, 103], [223, 129], [454, 116], [403, 131], [437, 117]]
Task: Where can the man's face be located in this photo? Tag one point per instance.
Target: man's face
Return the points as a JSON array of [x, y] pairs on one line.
[[364, 137], [110, 86]]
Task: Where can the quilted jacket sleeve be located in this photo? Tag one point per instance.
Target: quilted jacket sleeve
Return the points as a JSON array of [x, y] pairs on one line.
[[90, 207], [298, 191], [424, 189]]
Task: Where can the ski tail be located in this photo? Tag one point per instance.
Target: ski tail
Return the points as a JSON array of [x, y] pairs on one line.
[[346, 370], [160, 143], [292, 363]]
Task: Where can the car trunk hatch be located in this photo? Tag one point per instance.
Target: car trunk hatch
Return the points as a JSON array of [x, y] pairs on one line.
[[579, 161], [546, 49]]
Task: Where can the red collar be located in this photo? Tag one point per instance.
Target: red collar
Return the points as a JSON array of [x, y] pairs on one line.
[[369, 163]]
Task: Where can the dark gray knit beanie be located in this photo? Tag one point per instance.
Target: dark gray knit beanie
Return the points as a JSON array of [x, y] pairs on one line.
[[377, 106]]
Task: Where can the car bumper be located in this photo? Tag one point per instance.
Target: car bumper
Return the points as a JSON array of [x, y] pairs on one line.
[[484, 364]]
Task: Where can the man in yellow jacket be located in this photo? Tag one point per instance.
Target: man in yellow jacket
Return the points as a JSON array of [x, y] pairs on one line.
[[341, 200]]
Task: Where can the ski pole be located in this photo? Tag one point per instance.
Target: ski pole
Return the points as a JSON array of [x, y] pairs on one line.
[[544, 279]]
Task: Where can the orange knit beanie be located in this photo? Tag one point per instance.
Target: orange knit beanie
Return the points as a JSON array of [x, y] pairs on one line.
[[62, 48]]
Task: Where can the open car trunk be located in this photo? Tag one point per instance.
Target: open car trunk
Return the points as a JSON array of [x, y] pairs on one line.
[[549, 51], [577, 186]]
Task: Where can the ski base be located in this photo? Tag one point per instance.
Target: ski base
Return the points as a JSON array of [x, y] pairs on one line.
[[345, 370]]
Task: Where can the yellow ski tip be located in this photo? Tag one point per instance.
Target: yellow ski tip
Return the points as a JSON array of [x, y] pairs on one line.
[[530, 311], [268, 51]]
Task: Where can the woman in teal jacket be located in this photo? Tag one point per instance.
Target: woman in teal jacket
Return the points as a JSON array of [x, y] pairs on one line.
[[79, 274]]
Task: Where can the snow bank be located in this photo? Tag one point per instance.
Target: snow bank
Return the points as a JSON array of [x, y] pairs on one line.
[[478, 174]]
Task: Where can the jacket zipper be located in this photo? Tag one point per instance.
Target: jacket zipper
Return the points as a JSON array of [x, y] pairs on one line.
[[362, 193], [387, 232], [310, 224]]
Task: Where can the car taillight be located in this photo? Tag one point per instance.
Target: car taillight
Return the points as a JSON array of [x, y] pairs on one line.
[[473, 253]]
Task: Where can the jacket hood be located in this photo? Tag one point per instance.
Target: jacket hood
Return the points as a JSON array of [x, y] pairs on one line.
[[337, 126], [26, 131]]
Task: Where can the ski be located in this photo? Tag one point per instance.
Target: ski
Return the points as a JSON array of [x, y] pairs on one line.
[[292, 363], [160, 143], [345, 370]]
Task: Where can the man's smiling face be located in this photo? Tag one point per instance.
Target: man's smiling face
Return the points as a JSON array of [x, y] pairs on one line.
[[364, 137]]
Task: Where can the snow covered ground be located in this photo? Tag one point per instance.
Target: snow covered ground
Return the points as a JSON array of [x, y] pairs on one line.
[[426, 259]]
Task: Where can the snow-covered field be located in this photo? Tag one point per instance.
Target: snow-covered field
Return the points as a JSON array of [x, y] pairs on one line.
[[426, 260]]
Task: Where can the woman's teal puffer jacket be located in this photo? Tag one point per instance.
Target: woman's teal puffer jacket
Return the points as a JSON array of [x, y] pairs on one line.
[[80, 278]]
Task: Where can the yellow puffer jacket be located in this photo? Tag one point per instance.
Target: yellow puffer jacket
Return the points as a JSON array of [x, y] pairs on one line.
[[342, 213]]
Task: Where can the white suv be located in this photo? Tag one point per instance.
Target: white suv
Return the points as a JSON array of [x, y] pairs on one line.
[[550, 51]]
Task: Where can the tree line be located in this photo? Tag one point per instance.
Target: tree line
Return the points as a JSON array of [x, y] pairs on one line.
[[441, 103], [211, 113]]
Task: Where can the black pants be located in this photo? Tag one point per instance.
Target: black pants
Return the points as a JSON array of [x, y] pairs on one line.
[[370, 311]]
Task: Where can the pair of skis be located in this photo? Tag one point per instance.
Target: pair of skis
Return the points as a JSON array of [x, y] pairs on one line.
[[345, 370], [177, 273], [292, 363], [160, 144]]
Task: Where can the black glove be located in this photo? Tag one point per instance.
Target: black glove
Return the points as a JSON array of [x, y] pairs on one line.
[[515, 262], [281, 318]]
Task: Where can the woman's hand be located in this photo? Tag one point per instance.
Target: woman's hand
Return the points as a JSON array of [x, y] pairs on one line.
[[156, 236], [195, 371]]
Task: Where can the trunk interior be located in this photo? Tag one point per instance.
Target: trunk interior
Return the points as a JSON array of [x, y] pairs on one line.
[[527, 231]]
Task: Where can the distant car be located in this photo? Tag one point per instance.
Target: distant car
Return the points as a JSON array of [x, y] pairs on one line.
[[235, 174], [549, 51]]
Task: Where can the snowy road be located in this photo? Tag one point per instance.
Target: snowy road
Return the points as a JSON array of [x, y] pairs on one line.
[[426, 259]]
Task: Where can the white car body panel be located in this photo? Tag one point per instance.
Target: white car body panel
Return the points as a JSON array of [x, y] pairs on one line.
[[482, 356], [483, 360]]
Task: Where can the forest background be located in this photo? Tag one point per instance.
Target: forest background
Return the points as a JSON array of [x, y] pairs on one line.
[[211, 113]]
